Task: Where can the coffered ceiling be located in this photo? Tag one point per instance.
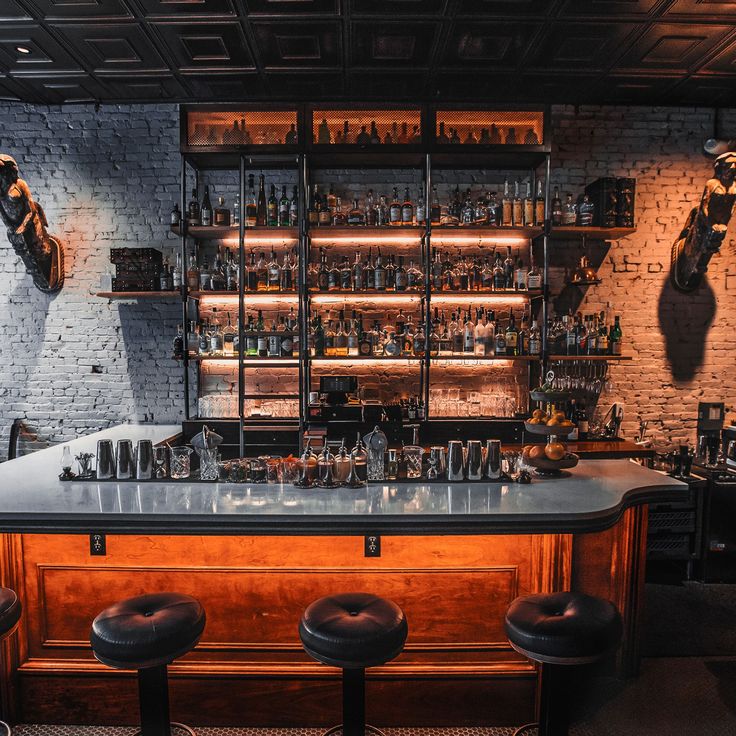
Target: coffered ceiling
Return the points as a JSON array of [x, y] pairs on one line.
[[574, 51]]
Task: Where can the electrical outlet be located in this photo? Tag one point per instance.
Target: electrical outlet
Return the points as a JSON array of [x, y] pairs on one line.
[[97, 544], [372, 545]]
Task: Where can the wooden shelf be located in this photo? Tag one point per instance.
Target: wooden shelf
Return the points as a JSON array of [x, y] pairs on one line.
[[369, 294], [487, 358], [247, 295], [440, 232], [481, 295], [592, 233], [139, 294], [599, 358], [327, 232], [361, 359], [251, 233], [246, 360]]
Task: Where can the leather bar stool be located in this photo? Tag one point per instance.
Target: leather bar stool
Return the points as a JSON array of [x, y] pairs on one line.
[[10, 610], [353, 631], [559, 630], [147, 633]]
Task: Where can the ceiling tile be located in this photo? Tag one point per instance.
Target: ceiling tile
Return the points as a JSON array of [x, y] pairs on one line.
[[508, 8], [635, 90], [46, 54], [304, 87], [672, 47], [137, 86], [390, 44], [583, 46], [288, 8], [224, 87], [416, 8], [112, 46], [489, 44], [56, 89], [179, 8], [198, 46], [724, 63], [65, 9], [708, 91], [388, 86], [11, 10], [609, 8], [13, 90], [298, 45], [715, 9]]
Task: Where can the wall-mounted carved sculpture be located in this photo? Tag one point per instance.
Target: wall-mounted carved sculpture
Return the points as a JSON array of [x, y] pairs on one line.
[[42, 254], [706, 226]]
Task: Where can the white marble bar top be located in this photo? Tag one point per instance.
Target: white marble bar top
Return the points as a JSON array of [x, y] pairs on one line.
[[32, 498]]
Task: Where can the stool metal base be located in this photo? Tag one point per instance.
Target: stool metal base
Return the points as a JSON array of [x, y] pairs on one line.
[[523, 729], [368, 729], [5, 729], [174, 726]]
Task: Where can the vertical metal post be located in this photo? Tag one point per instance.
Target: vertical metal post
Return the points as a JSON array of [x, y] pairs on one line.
[[184, 285], [302, 290], [353, 702], [427, 281], [241, 312], [545, 270], [153, 695]]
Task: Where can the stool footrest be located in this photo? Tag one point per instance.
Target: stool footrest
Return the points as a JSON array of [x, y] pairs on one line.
[[368, 729], [526, 728]]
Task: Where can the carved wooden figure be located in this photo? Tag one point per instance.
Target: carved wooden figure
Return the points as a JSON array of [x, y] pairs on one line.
[[706, 226], [42, 254]]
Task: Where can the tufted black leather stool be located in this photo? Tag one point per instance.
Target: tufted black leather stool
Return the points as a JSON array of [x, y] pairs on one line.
[[10, 610], [560, 629], [147, 633], [353, 631]]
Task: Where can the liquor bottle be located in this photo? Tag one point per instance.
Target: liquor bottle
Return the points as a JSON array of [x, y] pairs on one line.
[[390, 274], [370, 210], [274, 273], [312, 214], [216, 341], [467, 212], [455, 331], [206, 213], [232, 279], [363, 138], [569, 211], [324, 213], [382, 212], [283, 211], [571, 335], [375, 138], [500, 340], [356, 276], [333, 278], [165, 281], [435, 209], [331, 200], [203, 339], [294, 208], [339, 219], [521, 274], [556, 208], [205, 277], [345, 274], [252, 273], [218, 277], [394, 216], [178, 346], [236, 210], [323, 275], [479, 336], [468, 335], [614, 337], [580, 417], [228, 337], [177, 273], [319, 338], [353, 337], [506, 206], [272, 208], [329, 340], [369, 273], [407, 209], [490, 333], [341, 336], [585, 212], [194, 213], [602, 343], [517, 207], [528, 206], [262, 273], [251, 204], [421, 209], [261, 336], [535, 339], [286, 274], [480, 213], [512, 336], [222, 214], [401, 276], [251, 339], [262, 208], [355, 215], [379, 274], [442, 136], [534, 277], [539, 205], [365, 347], [499, 276], [508, 269], [175, 216]]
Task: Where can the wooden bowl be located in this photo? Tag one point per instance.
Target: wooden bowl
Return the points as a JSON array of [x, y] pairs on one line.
[[549, 431], [549, 397], [545, 466]]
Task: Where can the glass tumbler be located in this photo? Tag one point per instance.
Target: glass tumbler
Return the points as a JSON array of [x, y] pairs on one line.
[[208, 460], [180, 462], [413, 457]]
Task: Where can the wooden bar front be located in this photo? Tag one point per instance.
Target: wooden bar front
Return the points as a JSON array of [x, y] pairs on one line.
[[249, 669]]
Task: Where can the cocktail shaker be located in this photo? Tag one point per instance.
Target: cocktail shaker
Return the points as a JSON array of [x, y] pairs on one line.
[[125, 460], [438, 453], [455, 460], [105, 460], [144, 460], [492, 463], [474, 460]]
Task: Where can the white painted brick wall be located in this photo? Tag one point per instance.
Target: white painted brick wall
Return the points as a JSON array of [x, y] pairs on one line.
[[74, 363]]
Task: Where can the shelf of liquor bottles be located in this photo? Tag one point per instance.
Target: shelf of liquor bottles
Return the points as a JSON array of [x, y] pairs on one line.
[[263, 233], [584, 357]]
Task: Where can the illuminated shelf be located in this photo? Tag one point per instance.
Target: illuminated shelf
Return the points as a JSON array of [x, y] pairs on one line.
[[484, 296], [384, 295], [246, 361], [139, 294], [593, 233], [215, 232], [253, 295], [473, 232], [486, 358], [371, 359], [591, 357]]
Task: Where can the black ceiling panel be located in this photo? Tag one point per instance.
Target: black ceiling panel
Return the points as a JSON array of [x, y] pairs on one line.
[[111, 46], [489, 45], [11, 10], [298, 45], [182, 8], [77, 9], [415, 8], [198, 46], [280, 8], [384, 44], [44, 53], [580, 46], [568, 51]]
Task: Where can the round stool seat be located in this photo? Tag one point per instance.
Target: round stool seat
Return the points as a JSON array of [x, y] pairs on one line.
[[147, 631], [562, 628], [353, 630], [10, 610]]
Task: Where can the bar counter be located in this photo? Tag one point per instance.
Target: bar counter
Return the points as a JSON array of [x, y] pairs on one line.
[[452, 555]]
